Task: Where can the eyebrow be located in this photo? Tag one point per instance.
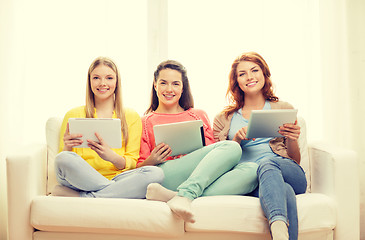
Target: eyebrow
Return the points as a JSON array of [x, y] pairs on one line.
[[166, 81], [250, 69], [95, 74]]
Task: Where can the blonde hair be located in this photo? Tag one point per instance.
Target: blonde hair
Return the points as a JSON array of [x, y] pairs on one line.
[[118, 106]]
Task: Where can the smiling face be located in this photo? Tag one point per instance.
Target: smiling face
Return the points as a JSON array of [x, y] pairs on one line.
[[169, 87], [250, 77], [103, 81]]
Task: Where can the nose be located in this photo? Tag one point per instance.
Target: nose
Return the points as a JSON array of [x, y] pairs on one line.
[[249, 75], [169, 88], [103, 82]]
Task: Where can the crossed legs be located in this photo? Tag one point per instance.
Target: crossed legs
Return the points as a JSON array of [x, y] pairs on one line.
[[79, 179], [215, 173]]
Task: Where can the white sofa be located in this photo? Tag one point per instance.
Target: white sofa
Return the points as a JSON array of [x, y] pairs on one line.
[[329, 209]]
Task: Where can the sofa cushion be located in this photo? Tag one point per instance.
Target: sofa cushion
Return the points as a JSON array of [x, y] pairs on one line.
[[244, 214], [100, 215]]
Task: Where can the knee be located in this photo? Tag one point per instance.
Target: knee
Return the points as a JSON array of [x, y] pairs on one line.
[[233, 145], [266, 165], [155, 173], [233, 148], [64, 159]]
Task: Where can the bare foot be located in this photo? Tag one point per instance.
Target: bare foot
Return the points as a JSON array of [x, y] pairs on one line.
[[181, 206], [63, 191], [159, 193]]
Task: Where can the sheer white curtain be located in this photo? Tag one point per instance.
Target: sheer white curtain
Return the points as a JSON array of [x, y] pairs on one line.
[[335, 78], [356, 39], [343, 77]]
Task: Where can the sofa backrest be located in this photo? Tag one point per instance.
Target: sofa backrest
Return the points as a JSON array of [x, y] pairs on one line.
[[53, 127], [304, 151]]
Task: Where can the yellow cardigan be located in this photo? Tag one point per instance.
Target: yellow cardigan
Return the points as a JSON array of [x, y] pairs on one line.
[[129, 152]]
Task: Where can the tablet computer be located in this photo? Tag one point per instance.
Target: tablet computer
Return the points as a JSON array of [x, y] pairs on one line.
[[182, 137], [108, 128], [266, 123]]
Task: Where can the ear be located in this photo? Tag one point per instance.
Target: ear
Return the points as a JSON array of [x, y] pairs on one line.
[[155, 86]]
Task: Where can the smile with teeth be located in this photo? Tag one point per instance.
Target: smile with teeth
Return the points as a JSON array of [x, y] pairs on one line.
[[103, 90], [168, 96], [251, 84]]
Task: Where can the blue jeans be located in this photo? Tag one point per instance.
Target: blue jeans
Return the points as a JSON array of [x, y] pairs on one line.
[[211, 170], [280, 179], [74, 172]]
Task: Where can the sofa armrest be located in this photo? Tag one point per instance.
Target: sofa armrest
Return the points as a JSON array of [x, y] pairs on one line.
[[335, 172], [26, 178]]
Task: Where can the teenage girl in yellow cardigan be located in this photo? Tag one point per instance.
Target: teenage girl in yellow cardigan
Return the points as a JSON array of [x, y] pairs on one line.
[[99, 171]]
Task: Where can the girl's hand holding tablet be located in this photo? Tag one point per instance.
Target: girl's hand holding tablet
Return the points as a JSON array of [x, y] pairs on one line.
[[158, 155], [71, 140], [105, 152], [290, 131]]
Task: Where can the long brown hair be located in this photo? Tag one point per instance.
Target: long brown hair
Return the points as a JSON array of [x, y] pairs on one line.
[[118, 106], [186, 100], [235, 95]]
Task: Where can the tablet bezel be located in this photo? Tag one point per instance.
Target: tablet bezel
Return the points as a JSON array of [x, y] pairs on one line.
[[182, 137], [108, 128], [266, 123]]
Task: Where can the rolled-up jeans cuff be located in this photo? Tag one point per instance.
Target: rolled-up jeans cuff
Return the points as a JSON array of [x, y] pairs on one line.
[[278, 218], [186, 195]]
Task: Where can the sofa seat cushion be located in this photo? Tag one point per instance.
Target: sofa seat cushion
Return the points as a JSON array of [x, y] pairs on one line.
[[105, 215], [244, 214]]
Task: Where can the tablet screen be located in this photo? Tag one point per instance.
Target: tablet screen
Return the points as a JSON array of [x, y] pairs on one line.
[[266, 123], [108, 128], [182, 137]]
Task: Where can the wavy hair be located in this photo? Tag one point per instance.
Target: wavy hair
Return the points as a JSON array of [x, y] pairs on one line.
[[235, 95], [90, 97], [186, 100]]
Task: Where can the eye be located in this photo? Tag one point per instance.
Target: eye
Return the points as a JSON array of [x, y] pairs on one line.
[[95, 78], [242, 74], [110, 78], [255, 70], [176, 83]]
